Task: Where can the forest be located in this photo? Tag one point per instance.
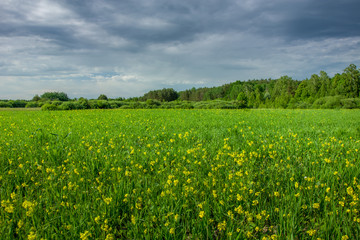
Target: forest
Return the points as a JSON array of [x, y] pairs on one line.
[[319, 91]]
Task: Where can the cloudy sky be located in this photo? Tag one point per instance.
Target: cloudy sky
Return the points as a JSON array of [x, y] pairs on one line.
[[124, 48]]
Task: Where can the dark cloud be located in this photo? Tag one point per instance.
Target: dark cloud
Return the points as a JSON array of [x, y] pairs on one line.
[[324, 19], [155, 43]]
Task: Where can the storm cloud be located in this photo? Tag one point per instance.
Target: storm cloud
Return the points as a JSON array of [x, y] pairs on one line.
[[126, 48]]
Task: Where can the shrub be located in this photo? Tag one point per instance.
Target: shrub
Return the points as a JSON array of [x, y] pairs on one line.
[[67, 106], [84, 103], [126, 106], [350, 103], [103, 104], [32, 105], [333, 102], [93, 104], [18, 103], [116, 104], [49, 107], [5, 105], [153, 102], [56, 103]]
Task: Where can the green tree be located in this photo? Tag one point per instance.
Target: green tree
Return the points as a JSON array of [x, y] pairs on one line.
[[325, 84], [36, 98], [302, 92], [102, 97], [60, 96], [242, 100], [84, 103], [351, 76]]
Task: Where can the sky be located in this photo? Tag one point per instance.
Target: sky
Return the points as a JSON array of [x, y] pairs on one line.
[[125, 48]]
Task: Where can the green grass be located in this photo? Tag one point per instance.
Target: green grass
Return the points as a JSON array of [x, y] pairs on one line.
[[180, 174]]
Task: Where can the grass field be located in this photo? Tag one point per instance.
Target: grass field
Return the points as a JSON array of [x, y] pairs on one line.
[[180, 174]]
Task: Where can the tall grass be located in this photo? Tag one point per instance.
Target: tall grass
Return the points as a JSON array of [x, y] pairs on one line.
[[180, 174]]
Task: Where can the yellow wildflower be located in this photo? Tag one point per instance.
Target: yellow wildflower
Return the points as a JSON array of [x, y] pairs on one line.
[[85, 235], [32, 236]]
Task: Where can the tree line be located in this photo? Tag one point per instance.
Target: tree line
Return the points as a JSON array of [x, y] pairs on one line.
[[319, 91]]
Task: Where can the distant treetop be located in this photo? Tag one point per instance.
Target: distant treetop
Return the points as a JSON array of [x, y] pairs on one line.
[[60, 96], [102, 97]]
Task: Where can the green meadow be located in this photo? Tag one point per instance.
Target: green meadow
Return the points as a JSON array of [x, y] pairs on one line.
[[180, 174]]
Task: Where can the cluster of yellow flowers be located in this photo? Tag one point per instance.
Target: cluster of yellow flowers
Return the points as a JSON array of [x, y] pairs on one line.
[[261, 174]]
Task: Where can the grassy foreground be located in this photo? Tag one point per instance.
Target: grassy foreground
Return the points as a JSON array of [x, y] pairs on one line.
[[180, 174]]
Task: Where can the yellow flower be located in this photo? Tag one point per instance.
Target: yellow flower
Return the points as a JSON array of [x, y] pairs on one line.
[[133, 220], [27, 204], [110, 237], [222, 226], [107, 200], [311, 232], [32, 236], [20, 224], [8, 206], [345, 237], [350, 191], [316, 205], [201, 214], [172, 231], [274, 237], [85, 235]]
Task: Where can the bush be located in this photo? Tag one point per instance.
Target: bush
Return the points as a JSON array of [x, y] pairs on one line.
[[116, 104], [41, 104], [153, 102], [136, 105], [49, 107], [185, 106], [5, 105], [103, 104], [333, 102], [329, 102], [18, 103], [93, 104], [67, 106], [227, 106], [77, 105], [32, 105], [350, 103], [56, 103], [303, 105], [84, 103], [125, 106], [319, 102]]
